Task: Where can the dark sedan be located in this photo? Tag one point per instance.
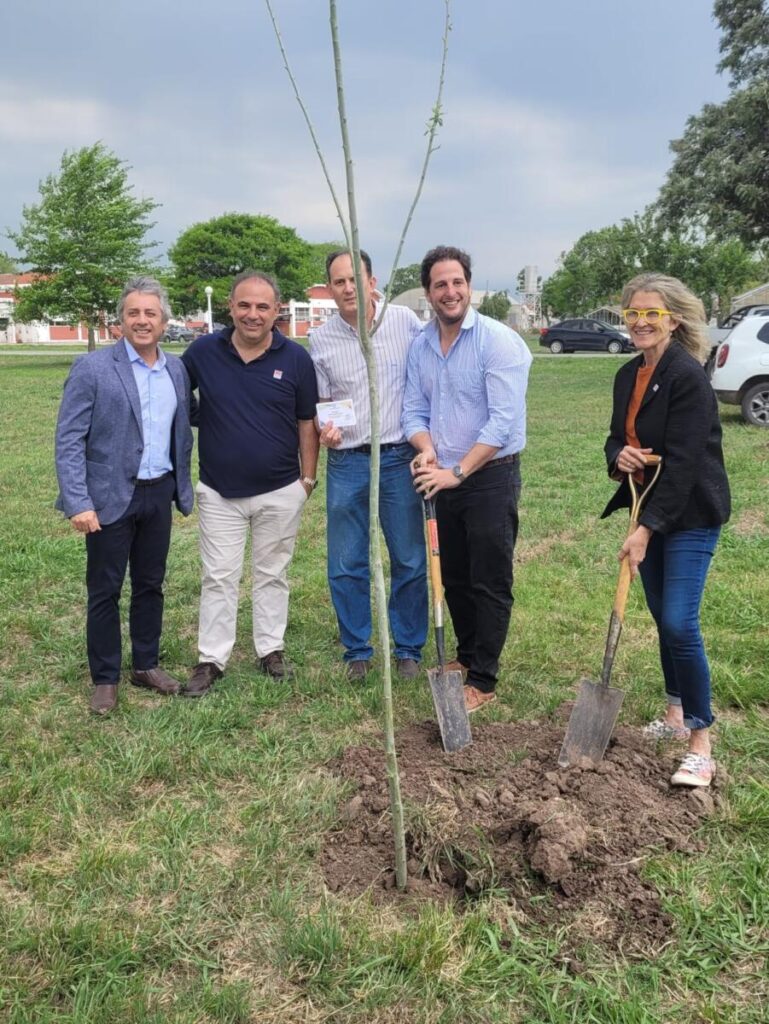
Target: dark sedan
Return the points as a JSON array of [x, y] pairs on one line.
[[584, 335]]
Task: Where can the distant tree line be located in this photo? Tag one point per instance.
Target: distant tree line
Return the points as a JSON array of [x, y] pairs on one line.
[[710, 223]]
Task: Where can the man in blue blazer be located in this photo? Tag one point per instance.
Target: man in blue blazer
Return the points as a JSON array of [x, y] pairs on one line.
[[123, 448]]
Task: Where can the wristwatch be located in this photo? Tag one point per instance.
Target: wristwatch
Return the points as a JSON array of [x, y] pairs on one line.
[[457, 471], [308, 480]]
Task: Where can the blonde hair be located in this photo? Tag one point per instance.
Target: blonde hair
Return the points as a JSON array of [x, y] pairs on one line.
[[683, 304]]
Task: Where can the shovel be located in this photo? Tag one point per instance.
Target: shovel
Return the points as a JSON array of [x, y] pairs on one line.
[[595, 712], [447, 687]]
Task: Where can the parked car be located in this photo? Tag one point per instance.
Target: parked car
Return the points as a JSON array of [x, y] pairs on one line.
[[719, 333], [175, 332], [741, 371], [584, 335]]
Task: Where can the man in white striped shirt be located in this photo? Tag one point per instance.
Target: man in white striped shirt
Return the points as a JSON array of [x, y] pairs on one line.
[[340, 369], [465, 411]]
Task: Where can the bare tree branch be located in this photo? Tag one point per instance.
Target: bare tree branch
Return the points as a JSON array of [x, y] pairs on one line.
[[310, 127]]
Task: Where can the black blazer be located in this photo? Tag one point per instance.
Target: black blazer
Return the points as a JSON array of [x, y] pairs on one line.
[[678, 419]]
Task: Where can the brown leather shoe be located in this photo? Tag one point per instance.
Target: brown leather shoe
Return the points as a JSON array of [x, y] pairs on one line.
[[476, 699], [456, 666], [276, 666], [407, 668], [202, 678], [103, 698], [357, 670], [156, 679]]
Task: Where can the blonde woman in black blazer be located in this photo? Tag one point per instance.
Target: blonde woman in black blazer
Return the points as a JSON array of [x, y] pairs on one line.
[[664, 404]]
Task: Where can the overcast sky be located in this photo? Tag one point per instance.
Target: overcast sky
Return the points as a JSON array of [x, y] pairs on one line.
[[558, 113]]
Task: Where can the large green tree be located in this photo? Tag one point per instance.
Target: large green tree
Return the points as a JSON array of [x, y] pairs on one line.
[[318, 253], [496, 306], [405, 278], [7, 264], [83, 238], [216, 251], [719, 179], [595, 269]]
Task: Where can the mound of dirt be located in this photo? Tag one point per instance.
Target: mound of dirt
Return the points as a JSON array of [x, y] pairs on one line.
[[564, 845]]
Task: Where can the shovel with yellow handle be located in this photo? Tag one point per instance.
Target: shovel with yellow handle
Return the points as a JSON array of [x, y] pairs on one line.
[[595, 712]]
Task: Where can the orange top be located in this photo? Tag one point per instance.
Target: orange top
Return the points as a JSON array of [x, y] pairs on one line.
[[643, 376]]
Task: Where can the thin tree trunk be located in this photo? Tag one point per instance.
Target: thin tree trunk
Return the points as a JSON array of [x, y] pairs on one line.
[[350, 227], [375, 543]]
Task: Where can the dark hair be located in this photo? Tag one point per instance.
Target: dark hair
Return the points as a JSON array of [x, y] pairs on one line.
[[444, 252], [257, 275], [346, 252]]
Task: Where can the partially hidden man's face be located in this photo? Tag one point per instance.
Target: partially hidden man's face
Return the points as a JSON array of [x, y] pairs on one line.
[[254, 310], [143, 323], [448, 291], [341, 282]]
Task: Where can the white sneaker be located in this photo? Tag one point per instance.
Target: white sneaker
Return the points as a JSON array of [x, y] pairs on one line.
[[660, 730], [694, 770]]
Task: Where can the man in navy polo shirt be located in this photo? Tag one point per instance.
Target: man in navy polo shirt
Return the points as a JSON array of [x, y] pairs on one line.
[[258, 452]]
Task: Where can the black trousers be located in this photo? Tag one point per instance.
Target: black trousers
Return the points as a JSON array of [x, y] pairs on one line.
[[477, 530], [140, 539]]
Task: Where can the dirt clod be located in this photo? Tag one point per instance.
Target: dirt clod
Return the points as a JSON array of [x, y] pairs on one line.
[[500, 814]]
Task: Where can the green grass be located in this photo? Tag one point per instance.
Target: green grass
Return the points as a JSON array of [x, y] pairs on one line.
[[161, 865]]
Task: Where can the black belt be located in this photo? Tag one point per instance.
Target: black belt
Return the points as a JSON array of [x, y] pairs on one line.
[[154, 480], [504, 461], [365, 449]]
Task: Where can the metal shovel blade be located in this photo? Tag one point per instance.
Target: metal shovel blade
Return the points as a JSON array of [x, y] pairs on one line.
[[591, 723], [451, 711]]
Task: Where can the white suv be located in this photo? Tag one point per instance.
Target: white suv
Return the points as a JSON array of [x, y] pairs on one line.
[[741, 371]]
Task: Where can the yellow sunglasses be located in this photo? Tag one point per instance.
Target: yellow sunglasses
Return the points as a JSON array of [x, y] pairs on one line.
[[651, 316]]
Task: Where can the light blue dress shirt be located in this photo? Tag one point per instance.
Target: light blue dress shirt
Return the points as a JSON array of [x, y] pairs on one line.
[[475, 394], [158, 401]]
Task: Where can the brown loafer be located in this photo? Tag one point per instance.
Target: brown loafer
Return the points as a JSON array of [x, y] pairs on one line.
[[407, 668], [475, 699], [156, 679], [357, 670], [276, 666], [103, 698], [202, 678], [456, 666]]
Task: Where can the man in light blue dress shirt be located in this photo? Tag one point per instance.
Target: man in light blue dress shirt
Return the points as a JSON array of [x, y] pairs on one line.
[[123, 447], [465, 413]]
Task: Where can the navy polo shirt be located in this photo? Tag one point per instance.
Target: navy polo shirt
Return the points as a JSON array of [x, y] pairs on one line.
[[248, 437]]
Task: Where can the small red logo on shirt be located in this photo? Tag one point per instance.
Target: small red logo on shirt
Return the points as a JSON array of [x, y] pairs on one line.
[[277, 374]]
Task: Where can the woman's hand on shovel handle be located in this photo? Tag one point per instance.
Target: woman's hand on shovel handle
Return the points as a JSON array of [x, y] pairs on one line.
[[634, 548], [630, 459]]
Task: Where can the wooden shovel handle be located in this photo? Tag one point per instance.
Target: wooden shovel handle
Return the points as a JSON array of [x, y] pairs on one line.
[[623, 587], [436, 580]]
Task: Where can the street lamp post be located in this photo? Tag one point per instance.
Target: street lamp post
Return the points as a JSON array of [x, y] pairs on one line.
[[209, 314]]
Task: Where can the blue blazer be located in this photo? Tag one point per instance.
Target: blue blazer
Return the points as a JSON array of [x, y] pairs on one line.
[[99, 437]]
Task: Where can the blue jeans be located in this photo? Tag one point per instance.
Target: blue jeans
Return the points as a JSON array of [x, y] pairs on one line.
[[673, 575], [402, 519]]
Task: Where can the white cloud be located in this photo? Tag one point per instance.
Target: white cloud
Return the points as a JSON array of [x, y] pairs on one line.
[[28, 118]]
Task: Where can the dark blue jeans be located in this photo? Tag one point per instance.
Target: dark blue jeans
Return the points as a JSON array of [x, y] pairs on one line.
[[402, 519], [673, 575]]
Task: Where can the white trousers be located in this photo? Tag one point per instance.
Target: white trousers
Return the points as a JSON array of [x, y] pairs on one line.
[[273, 520]]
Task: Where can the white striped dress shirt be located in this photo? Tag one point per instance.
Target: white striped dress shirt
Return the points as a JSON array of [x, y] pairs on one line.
[[341, 371]]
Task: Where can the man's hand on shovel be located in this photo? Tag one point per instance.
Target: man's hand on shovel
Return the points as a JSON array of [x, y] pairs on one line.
[[429, 478]]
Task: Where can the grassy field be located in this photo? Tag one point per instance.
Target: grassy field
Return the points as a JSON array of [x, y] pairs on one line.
[[161, 865]]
